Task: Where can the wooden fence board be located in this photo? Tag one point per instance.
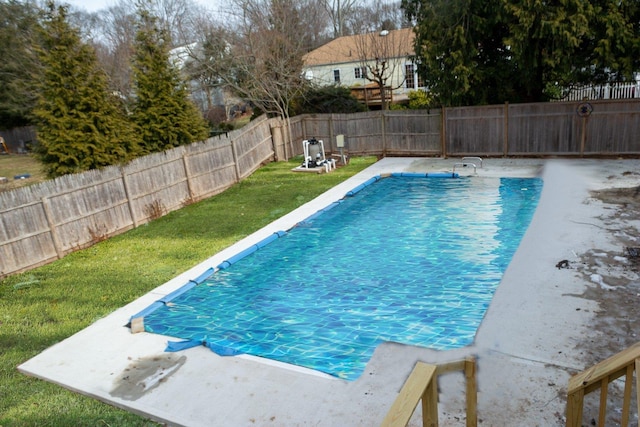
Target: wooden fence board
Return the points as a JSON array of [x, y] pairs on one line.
[[412, 133], [26, 253], [538, 130], [613, 128], [472, 130]]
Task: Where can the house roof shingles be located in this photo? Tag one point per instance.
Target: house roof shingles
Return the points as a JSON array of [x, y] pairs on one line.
[[361, 47]]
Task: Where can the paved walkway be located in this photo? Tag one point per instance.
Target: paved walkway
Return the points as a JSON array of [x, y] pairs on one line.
[[528, 345]]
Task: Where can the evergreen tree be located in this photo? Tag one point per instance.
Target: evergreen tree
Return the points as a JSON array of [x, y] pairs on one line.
[[163, 112], [19, 65], [327, 100], [492, 51], [79, 124]]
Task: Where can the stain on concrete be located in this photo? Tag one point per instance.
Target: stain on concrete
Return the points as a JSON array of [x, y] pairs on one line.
[[145, 374]]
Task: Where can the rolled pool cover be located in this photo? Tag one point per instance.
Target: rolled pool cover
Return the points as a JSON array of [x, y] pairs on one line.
[[220, 350], [427, 174], [363, 185], [165, 299], [251, 249]]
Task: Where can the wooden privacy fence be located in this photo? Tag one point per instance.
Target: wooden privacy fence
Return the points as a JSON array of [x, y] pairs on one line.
[[46, 221], [595, 128]]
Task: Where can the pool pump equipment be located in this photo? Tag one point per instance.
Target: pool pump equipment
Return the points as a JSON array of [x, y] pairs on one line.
[[314, 155]]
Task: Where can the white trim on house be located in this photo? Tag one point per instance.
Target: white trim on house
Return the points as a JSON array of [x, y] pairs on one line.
[[346, 55]]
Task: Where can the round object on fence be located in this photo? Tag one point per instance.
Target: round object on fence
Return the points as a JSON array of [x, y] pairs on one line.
[[22, 176], [3, 180], [584, 109]]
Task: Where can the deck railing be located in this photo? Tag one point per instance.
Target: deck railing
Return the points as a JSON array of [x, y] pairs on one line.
[[422, 385], [599, 377]]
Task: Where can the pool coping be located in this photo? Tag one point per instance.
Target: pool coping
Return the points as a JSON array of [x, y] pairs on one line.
[[531, 328]]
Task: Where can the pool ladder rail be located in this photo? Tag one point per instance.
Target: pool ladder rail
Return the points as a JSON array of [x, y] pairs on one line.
[[466, 162]]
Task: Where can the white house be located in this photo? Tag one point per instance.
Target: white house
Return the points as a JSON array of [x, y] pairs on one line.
[[349, 60]]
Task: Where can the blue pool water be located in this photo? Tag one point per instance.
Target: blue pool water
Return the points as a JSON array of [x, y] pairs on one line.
[[406, 259]]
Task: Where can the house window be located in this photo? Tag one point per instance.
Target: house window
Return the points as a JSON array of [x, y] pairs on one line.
[[412, 79], [360, 72], [409, 76], [336, 76]]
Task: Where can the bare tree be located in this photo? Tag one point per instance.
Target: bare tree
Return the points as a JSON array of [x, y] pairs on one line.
[[339, 11], [209, 59], [179, 18], [265, 54], [316, 21], [382, 55], [376, 15], [115, 47]]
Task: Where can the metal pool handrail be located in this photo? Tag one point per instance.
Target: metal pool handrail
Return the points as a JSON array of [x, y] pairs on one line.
[[422, 385], [473, 159], [465, 165]]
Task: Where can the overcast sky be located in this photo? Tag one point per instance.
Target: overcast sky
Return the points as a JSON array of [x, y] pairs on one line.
[[96, 5]]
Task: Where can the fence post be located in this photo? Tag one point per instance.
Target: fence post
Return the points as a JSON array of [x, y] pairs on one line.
[[235, 159], [443, 132], [127, 193], [187, 173], [505, 147], [583, 136], [331, 133], [384, 133], [279, 140], [52, 228]]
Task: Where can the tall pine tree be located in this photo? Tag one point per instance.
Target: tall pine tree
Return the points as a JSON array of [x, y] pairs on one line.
[[19, 67], [163, 112], [80, 126]]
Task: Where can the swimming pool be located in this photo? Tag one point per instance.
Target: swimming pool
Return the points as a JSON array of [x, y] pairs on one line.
[[404, 258]]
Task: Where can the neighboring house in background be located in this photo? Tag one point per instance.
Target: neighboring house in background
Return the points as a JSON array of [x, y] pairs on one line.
[[362, 62]]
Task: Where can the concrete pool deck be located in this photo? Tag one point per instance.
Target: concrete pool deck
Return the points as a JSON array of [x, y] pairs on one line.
[[535, 335]]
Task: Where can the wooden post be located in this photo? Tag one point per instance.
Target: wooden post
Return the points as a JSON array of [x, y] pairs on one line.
[[127, 193], [574, 408], [331, 133], [505, 147], [443, 132], [626, 400], [604, 392], [235, 158], [430, 404], [187, 174], [472, 392], [416, 388], [52, 227], [583, 136], [384, 133]]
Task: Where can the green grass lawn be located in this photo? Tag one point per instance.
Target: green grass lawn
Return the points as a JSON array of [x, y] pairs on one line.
[[18, 164], [44, 306]]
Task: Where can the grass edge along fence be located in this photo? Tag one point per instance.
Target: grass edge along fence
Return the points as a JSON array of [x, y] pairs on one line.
[[44, 222]]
